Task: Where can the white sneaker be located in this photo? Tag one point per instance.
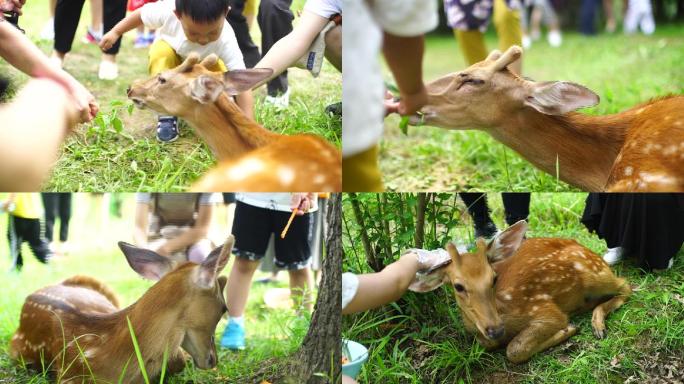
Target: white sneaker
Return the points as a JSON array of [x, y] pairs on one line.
[[279, 102], [555, 38], [48, 31], [56, 62], [108, 70], [526, 42], [613, 255]]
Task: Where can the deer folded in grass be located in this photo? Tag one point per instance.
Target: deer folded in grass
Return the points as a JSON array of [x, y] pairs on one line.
[[251, 158], [519, 294], [640, 149], [77, 330]]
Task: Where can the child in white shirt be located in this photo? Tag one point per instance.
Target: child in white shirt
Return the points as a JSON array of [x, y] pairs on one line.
[[185, 26]]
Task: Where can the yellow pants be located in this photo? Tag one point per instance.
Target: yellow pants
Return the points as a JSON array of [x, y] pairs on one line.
[[163, 57], [507, 24], [360, 173]]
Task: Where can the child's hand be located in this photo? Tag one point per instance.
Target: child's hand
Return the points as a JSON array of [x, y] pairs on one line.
[[109, 39], [408, 104]]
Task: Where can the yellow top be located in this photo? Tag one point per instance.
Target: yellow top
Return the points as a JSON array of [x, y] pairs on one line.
[[28, 205]]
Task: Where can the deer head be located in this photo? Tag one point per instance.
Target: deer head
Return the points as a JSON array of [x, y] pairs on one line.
[[474, 279], [487, 93], [178, 91], [204, 303]]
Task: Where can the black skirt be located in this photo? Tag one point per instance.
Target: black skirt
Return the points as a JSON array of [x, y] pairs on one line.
[[649, 226]]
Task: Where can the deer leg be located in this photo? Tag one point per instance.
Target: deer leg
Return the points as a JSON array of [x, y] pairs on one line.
[[541, 334], [599, 315], [176, 362]]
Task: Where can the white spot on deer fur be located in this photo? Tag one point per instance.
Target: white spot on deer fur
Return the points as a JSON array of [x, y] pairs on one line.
[[579, 266], [628, 171], [244, 168], [319, 178], [660, 179], [286, 175], [670, 150], [507, 296], [90, 353], [535, 308]]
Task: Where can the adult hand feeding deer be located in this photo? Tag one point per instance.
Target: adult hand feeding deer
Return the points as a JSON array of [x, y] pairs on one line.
[[519, 293], [251, 157], [77, 330], [640, 149]]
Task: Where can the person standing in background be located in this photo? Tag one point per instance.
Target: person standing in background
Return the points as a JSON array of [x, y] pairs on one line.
[[57, 204], [24, 211]]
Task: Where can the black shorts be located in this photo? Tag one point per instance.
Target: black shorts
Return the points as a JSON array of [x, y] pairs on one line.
[[253, 227]]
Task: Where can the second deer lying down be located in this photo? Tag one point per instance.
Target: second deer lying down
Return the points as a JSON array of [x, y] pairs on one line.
[[519, 293], [77, 330], [251, 157], [640, 149]]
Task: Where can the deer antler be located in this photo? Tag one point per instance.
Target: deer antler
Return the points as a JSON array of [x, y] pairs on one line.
[[511, 55], [189, 62]]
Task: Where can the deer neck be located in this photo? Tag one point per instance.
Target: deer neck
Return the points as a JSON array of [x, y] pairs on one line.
[[227, 131], [581, 148], [155, 320]]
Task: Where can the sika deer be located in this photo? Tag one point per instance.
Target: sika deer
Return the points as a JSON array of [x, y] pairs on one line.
[[251, 157], [640, 149], [519, 293], [76, 329]]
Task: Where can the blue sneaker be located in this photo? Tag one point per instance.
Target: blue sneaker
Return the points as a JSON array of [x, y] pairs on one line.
[[167, 129], [233, 336]]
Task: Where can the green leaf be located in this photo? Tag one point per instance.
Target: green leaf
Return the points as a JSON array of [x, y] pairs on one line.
[[403, 125], [118, 125], [141, 362]]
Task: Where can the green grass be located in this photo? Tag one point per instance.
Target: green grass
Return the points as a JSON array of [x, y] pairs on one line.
[[421, 338], [270, 333], [131, 159], [622, 70]]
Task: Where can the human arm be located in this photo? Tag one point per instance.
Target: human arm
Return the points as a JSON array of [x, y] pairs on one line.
[[131, 21], [30, 141], [390, 284], [294, 45], [5, 204], [191, 235], [404, 56], [245, 101], [22, 54], [142, 210]]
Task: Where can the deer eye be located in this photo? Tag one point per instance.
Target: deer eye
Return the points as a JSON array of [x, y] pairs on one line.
[[459, 288], [473, 81], [161, 80]]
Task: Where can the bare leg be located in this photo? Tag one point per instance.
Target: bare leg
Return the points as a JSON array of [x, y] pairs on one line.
[[301, 282], [96, 16], [333, 47], [239, 282], [610, 16]]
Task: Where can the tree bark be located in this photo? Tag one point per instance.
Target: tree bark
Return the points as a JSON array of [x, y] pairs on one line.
[[365, 241], [319, 358], [420, 219]]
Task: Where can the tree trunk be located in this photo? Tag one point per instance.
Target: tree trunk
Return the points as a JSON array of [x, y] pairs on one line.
[[358, 215], [319, 358], [420, 219]]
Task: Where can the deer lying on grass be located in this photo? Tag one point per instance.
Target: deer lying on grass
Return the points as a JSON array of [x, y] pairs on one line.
[[77, 330], [640, 149], [251, 157], [519, 293]]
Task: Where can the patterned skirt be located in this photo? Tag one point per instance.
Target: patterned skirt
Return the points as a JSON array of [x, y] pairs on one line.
[[469, 15]]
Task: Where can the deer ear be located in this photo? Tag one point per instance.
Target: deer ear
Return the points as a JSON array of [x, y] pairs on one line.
[[206, 89], [560, 97], [148, 264], [214, 264], [241, 80], [507, 242], [453, 253]]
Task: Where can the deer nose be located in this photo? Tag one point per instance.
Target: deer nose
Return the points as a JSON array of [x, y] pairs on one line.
[[495, 333], [211, 360], [128, 91]]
